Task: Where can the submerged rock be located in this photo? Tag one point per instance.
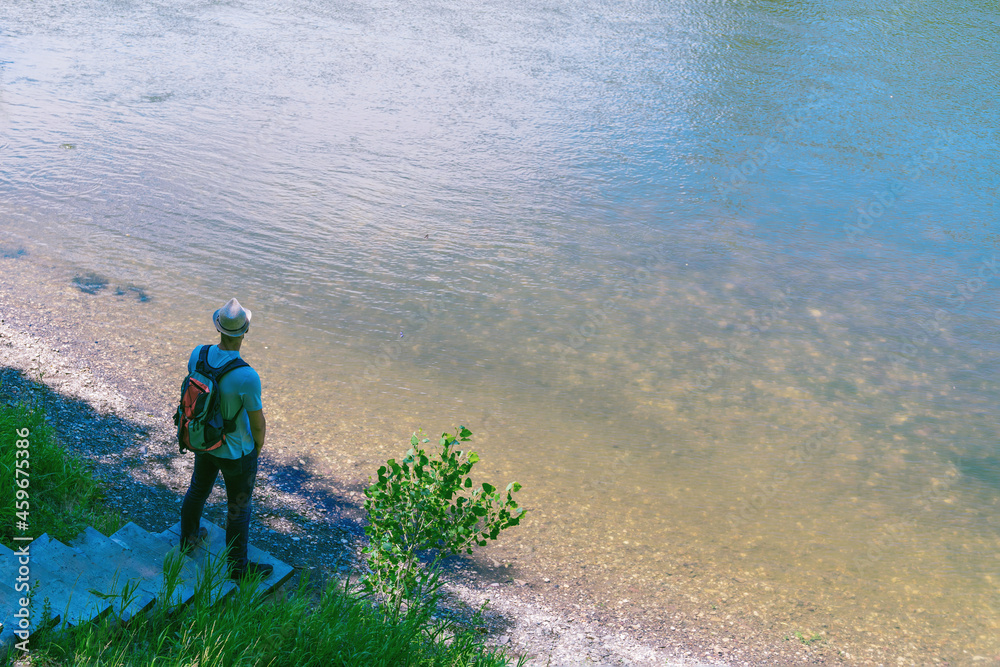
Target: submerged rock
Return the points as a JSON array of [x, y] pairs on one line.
[[140, 293], [12, 252], [90, 283]]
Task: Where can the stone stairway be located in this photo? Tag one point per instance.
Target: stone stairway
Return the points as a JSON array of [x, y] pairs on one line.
[[133, 557]]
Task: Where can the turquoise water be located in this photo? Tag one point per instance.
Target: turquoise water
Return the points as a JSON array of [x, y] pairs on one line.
[[715, 281]]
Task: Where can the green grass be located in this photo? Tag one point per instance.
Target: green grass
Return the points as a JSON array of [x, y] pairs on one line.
[[329, 627], [63, 496], [808, 640], [322, 626]]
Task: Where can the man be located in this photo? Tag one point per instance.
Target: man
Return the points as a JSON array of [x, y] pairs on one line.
[[239, 393]]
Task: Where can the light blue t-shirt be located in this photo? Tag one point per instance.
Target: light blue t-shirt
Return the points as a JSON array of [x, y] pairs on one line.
[[240, 389]]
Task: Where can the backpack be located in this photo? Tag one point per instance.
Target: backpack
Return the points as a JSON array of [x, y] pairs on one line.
[[200, 424]]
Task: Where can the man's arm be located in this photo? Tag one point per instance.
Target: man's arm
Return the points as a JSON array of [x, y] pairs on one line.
[[258, 428]]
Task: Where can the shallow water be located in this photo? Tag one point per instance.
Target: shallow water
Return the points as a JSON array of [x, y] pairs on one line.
[[620, 242]]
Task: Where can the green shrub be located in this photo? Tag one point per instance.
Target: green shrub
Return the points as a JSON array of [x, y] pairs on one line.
[[425, 504]]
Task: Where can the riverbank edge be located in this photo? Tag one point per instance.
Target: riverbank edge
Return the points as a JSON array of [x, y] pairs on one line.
[[136, 461]]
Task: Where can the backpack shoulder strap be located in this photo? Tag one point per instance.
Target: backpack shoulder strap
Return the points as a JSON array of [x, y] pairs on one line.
[[231, 365], [202, 364], [216, 374]]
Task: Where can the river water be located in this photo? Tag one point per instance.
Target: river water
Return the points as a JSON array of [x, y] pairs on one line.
[[715, 281]]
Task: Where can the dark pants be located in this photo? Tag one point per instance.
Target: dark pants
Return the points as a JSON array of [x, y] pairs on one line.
[[239, 475]]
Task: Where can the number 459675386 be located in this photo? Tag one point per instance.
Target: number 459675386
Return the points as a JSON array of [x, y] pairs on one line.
[[21, 472]]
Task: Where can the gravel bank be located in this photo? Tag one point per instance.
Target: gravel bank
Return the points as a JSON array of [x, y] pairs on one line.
[[135, 457], [110, 402]]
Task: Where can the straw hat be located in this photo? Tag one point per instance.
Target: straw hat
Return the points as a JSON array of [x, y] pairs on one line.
[[232, 319]]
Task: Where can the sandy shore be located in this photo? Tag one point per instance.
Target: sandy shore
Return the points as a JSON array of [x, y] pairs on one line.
[[137, 461], [119, 420]]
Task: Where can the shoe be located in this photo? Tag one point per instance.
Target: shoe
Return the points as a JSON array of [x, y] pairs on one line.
[[188, 547], [252, 569]]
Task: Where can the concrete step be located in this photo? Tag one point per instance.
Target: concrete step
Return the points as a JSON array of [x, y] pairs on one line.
[[49, 580], [8, 576], [76, 572], [66, 598], [207, 563], [159, 552], [131, 557], [212, 551], [9, 605], [10, 600], [8, 568], [98, 570], [133, 568]]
